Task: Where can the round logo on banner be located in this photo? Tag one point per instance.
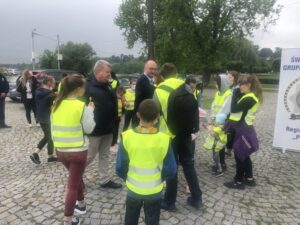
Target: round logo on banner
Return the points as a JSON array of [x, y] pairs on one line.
[[292, 99]]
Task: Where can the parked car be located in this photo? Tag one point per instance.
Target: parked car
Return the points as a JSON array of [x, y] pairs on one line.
[[13, 94], [125, 79], [57, 74]]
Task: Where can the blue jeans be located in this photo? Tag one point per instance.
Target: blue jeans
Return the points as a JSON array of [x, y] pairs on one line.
[[133, 209], [184, 151]]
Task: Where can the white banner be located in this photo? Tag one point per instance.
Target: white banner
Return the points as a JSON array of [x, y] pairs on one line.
[[287, 125]]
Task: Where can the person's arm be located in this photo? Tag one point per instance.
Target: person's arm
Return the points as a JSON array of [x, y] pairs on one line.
[[169, 169], [244, 105], [6, 85], [226, 106], [88, 122], [122, 162]]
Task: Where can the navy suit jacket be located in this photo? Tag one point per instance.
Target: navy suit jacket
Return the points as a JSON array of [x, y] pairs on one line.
[[144, 90]]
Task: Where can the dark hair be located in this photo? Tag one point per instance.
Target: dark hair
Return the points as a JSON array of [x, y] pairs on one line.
[[120, 90], [190, 79], [47, 78], [63, 75], [113, 75], [255, 85], [235, 75], [148, 110], [167, 70], [69, 84], [218, 81]]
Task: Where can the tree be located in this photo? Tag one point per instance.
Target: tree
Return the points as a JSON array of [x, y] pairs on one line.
[[194, 33], [266, 53], [76, 56]]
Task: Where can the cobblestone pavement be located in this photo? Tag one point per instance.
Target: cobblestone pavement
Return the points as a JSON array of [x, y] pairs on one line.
[[33, 194]]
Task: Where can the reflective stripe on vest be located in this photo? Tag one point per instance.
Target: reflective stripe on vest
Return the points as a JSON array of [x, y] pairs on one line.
[[162, 93], [146, 153], [219, 101], [250, 116], [213, 143], [130, 97], [66, 128]]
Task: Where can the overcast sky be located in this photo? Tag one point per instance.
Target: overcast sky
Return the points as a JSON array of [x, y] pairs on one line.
[[91, 21]]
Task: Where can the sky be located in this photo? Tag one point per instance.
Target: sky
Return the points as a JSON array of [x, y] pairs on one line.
[[91, 21]]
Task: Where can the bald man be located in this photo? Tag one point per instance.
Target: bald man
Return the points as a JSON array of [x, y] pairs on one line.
[[144, 87]]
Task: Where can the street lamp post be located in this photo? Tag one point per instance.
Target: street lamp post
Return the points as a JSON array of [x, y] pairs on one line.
[[32, 51], [58, 54]]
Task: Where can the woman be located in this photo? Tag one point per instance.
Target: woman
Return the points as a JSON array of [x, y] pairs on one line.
[[245, 101], [27, 86], [44, 100], [70, 121]]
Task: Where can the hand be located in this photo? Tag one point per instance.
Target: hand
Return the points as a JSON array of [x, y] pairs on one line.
[[2, 95], [91, 103]]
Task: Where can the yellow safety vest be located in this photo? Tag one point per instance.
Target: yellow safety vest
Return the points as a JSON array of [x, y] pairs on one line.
[[196, 93], [59, 87], [219, 102], [119, 107], [146, 154], [216, 143], [162, 93], [249, 118], [66, 128], [130, 97], [114, 84]]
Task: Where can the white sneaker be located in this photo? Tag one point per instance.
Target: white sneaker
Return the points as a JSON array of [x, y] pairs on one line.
[[29, 125]]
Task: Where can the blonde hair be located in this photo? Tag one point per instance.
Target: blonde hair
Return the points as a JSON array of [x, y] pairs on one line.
[[255, 85], [25, 77], [100, 64]]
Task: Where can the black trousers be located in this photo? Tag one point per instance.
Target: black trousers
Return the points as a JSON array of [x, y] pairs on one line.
[[222, 156], [29, 105], [2, 111], [243, 169], [116, 131], [128, 118], [47, 139], [184, 153], [133, 209]]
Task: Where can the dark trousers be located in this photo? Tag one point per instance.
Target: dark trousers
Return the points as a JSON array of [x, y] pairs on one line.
[[222, 156], [128, 118], [75, 163], [47, 139], [133, 209], [135, 120], [184, 153], [2, 111], [116, 131], [243, 169], [29, 105]]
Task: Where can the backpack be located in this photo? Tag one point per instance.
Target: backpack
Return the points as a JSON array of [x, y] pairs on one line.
[[183, 113]]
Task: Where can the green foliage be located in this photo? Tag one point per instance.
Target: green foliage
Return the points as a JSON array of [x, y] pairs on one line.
[[199, 36], [132, 66], [48, 60]]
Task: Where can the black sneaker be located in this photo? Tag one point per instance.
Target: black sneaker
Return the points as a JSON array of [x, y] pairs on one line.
[[5, 126], [224, 167], [35, 158], [194, 203], [111, 184], [218, 173], [167, 206], [80, 210], [235, 185], [213, 169], [52, 159], [250, 182]]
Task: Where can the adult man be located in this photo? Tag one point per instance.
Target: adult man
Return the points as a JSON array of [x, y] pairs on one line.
[[185, 115], [4, 88], [144, 87], [100, 92]]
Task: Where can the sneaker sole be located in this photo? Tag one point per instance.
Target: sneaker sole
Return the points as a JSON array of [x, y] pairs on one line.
[[219, 175], [80, 212]]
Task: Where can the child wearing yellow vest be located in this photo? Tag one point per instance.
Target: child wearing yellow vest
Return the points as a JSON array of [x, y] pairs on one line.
[[129, 104], [145, 158], [71, 120]]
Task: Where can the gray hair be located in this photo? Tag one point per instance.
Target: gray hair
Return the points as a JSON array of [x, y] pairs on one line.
[[99, 65]]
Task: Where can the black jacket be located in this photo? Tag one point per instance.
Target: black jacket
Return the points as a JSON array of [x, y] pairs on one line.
[[22, 89], [144, 90], [106, 107], [4, 86], [183, 112], [44, 100]]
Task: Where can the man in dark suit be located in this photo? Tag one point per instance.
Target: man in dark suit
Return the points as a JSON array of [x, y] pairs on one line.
[[144, 87], [4, 88]]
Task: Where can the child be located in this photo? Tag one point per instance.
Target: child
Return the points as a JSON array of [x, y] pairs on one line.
[[121, 103], [44, 99], [245, 102], [129, 104], [70, 121], [145, 158]]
